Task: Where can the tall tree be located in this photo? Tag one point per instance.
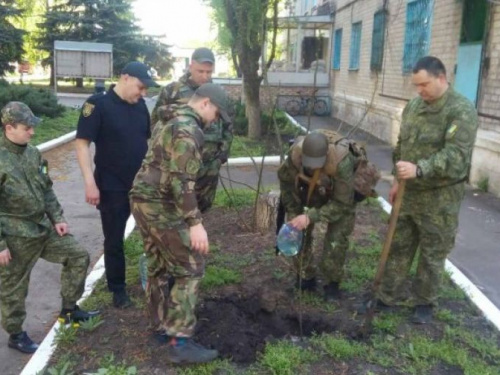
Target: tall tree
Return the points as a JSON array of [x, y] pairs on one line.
[[248, 23], [33, 13], [104, 21], [11, 38]]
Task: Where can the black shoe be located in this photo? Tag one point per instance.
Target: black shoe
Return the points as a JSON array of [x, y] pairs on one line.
[[161, 337], [422, 314], [306, 285], [185, 350], [22, 342], [76, 315], [379, 306], [121, 300], [332, 292]]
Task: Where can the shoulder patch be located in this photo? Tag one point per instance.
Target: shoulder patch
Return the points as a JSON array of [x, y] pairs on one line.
[[87, 109]]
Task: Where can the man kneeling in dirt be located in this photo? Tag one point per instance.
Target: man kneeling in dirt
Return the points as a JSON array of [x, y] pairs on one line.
[[32, 226], [322, 179], [164, 204]]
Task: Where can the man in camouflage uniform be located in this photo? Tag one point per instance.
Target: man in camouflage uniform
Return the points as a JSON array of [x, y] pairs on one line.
[[32, 226], [218, 135], [164, 205], [332, 200], [433, 154]]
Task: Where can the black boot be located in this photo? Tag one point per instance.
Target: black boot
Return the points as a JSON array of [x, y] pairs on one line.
[[121, 300], [332, 292], [22, 342], [185, 350], [306, 285], [422, 314], [76, 315]]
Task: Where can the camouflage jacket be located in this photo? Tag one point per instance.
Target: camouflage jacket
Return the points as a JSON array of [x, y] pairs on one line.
[[218, 136], [28, 205], [439, 137], [332, 198], [167, 177]]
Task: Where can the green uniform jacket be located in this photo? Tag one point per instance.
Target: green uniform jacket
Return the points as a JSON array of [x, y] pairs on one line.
[[439, 137], [167, 177], [218, 136], [331, 200], [28, 205]]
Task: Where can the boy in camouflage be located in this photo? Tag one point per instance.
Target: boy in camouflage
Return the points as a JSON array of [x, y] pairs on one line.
[[32, 226], [165, 207], [433, 154]]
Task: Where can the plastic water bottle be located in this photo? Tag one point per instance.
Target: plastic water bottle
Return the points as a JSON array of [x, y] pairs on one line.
[[143, 270], [289, 240]]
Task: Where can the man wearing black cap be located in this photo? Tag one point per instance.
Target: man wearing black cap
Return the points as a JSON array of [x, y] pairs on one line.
[[165, 206], [118, 123], [218, 136], [32, 226]]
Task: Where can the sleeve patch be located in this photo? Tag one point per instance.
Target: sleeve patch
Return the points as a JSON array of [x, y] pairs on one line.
[[452, 130], [87, 109]]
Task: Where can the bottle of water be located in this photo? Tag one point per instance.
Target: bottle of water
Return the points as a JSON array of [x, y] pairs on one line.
[[143, 270], [289, 240]]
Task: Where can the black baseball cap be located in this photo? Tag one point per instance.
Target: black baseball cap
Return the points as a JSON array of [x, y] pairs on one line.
[[141, 72], [203, 55], [217, 96]]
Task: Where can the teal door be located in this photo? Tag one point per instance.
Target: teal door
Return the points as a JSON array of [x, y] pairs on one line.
[[468, 70]]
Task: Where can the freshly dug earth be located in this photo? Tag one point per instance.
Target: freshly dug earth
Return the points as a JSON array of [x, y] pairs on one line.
[[239, 319]]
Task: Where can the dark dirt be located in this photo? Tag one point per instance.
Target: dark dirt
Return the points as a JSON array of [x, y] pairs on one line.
[[239, 319]]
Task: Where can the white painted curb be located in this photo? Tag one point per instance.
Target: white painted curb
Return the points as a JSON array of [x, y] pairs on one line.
[[57, 142]]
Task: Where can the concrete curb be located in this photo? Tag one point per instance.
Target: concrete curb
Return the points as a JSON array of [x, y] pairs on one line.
[[57, 142]]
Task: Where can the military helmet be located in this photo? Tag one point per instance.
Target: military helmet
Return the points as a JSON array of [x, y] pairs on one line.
[[314, 150]]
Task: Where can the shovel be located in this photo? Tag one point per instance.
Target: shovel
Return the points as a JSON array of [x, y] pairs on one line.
[[371, 304]]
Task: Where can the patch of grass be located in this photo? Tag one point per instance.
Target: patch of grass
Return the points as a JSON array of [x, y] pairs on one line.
[[51, 128], [388, 322], [109, 367], [340, 348], [64, 366], [216, 276], [215, 367], [484, 184], [234, 198], [285, 358], [314, 300], [91, 324], [65, 335], [246, 147], [446, 316]]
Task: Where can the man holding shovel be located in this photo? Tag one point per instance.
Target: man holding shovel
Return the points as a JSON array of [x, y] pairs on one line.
[[433, 156]]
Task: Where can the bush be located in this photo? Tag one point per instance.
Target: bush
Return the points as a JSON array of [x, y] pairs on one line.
[[41, 101]]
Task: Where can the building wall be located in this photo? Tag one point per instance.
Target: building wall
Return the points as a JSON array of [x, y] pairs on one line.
[[377, 99]]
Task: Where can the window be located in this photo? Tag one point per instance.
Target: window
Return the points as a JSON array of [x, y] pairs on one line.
[[355, 46], [337, 49], [418, 25], [378, 37]]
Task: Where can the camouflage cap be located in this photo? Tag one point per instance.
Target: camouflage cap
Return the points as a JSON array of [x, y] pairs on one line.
[[19, 113], [217, 96], [203, 55]]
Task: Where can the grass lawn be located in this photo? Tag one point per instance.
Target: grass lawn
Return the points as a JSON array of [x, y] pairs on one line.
[[51, 128]]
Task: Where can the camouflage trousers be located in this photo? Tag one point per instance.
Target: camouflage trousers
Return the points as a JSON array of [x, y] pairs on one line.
[[15, 277], [332, 258], [206, 184], [169, 254], [428, 221]]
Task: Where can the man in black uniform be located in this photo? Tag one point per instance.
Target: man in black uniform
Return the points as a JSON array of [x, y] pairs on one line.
[[118, 123]]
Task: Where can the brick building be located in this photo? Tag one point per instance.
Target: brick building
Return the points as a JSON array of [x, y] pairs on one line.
[[375, 44]]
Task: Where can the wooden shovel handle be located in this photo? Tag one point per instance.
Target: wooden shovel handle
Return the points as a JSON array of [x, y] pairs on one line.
[[390, 234]]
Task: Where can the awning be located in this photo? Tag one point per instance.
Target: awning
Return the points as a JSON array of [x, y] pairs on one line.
[[305, 22]]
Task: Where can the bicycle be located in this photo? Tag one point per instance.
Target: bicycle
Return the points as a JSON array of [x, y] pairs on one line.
[[306, 105]]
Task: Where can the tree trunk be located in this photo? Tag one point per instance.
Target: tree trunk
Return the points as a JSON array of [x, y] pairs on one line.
[[251, 87], [265, 214], [79, 82]]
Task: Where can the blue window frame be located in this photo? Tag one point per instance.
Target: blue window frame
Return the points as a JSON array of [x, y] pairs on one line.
[[355, 46], [337, 49], [378, 39], [418, 29]]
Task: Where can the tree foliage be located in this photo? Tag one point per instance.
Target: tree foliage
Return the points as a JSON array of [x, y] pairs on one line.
[[32, 14], [248, 24], [11, 37], [104, 21]]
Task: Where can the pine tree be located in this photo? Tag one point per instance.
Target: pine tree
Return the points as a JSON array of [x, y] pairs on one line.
[[11, 38]]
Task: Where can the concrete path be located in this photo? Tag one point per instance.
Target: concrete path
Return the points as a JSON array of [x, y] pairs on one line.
[[477, 247]]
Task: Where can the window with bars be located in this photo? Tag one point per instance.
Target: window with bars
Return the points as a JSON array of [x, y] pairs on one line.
[[337, 49], [378, 39], [418, 28], [355, 46]]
